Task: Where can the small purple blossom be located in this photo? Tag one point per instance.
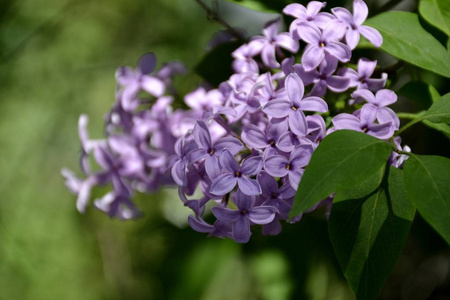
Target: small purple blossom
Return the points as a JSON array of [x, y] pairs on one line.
[[361, 78], [310, 13]]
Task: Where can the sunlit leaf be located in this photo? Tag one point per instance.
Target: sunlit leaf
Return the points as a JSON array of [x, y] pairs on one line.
[[437, 13]]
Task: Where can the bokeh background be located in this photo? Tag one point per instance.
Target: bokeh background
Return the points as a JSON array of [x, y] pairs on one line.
[[57, 60]]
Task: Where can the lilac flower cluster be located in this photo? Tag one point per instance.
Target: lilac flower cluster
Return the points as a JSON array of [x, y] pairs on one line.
[[242, 146]]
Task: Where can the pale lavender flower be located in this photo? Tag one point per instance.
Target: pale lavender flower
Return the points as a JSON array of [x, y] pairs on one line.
[[201, 100], [379, 102], [295, 105], [364, 121], [179, 162], [246, 214], [219, 229], [254, 137], [235, 174], [280, 166], [272, 41], [310, 14], [361, 78], [354, 24], [323, 79], [320, 42], [243, 57], [397, 160]]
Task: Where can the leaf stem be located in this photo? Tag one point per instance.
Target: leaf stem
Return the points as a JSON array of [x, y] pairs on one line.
[[410, 116]]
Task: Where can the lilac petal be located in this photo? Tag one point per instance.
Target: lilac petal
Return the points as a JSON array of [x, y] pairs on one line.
[[349, 73], [284, 40], [312, 57], [338, 83], [294, 87], [268, 184], [287, 141], [374, 84], [322, 19], [297, 122], [179, 173], [368, 114], [352, 38], [314, 7], [385, 97], [230, 143], [294, 177], [201, 135], [255, 46], [276, 127], [125, 75], [309, 33], [364, 94], [347, 121], [319, 89], [386, 115], [104, 158], [366, 67], [381, 131], [271, 29], [268, 56], [314, 104], [228, 161], [241, 230], [295, 10], [225, 214], [286, 65], [249, 186], [306, 77], [360, 11], [334, 31], [254, 137], [339, 50], [276, 166], [252, 166], [286, 191], [153, 85], [278, 108], [343, 14], [372, 35], [84, 194], [261, 215], [147, 63], [196, 155], [301, 156], [243, 201], [223, 184], [212, 166], [199, 225], [273, 228], [328, 65]]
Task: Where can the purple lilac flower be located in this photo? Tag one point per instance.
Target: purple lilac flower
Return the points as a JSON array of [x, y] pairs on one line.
[[235, 174], [379, 102], [243, 57], [295, 105], [280, 166], [246, 214], [254, 137], [271, 42], [354, 24], [133, 81], [179, 162], [397, 160], [211, 151], [201, 100], [323, 79], [364, 121], [310, 13], [219, 229], [361, 79], [321, 42]]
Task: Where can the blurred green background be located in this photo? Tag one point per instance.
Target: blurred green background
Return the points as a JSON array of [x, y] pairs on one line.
[[57, 60]]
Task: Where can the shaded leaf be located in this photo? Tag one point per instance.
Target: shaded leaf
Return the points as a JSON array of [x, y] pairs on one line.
[[368, 228], [343, 159], [439, 112], [437, 13], [427, 180], [444, 128], [404, 38]]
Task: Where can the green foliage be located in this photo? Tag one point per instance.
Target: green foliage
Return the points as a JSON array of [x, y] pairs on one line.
[[439, 112], [368, 228], [427, 180], [343, 159], [404, 38], [437, 13]]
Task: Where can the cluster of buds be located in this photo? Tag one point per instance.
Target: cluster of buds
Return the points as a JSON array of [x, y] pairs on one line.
[[243, 147]]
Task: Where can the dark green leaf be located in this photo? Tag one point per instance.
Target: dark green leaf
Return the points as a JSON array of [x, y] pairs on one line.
[[418, 92], [404, 37], [368, 228], [439, 112], [343, 159], [437, 13], [444, 128], [427, 180], [215, 66], [434, 93]]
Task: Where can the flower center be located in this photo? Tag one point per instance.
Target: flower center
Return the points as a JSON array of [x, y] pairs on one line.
[[211, 151], [237, 174], [322, 44], [288, 166], [272, 143], [294, 108], [274, 195]]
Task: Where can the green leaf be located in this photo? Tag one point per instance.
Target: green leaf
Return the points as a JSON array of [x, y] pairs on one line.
[[368, 228], [343, 159], [215, 65], [427, 180], [437, 13], [404, 38], [439, 112], [444, 128], [254, 5], [433, 93], [418, 92]]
